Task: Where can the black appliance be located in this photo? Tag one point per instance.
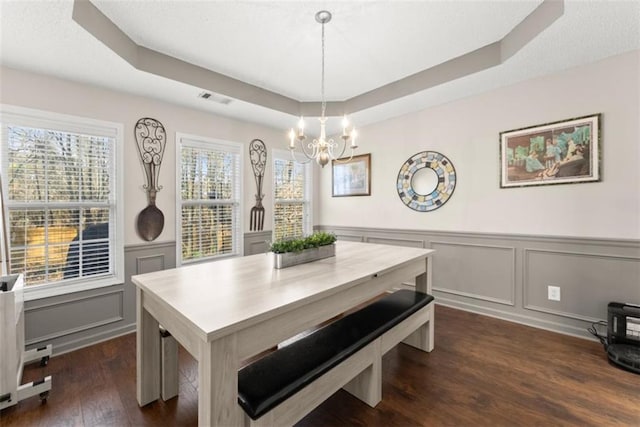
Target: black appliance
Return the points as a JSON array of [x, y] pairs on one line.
[[623, 335]]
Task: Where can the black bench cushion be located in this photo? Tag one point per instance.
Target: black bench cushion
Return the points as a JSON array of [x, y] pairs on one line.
[[265, 383]]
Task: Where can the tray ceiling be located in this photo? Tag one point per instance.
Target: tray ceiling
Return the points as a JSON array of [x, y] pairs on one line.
[[275, 47]]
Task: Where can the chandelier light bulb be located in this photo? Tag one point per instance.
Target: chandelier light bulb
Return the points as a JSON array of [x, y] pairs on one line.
[[345, 124], [292, 139]]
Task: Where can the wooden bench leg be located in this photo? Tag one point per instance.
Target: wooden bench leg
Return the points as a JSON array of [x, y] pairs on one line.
[[422, 338], [367, 386]]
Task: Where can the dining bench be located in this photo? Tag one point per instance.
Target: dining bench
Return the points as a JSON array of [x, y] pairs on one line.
[[285, 385]]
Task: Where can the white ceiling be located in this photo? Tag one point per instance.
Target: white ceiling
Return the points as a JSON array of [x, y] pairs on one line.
[[275, 45]]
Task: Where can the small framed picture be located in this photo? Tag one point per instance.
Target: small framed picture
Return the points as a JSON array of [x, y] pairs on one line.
[[351, 177], [563, 152]]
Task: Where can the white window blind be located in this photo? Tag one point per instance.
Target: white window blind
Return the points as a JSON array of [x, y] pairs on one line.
[[292, 197], [61, 205], [210, 188]]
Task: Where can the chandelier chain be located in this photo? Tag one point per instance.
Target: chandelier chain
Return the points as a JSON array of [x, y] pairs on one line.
[[323, 149], [324, 103]]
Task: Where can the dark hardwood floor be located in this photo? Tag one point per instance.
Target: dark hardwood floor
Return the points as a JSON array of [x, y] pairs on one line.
[[483, 372]]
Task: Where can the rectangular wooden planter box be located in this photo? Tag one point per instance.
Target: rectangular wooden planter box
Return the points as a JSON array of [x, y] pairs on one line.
[[289, 259]]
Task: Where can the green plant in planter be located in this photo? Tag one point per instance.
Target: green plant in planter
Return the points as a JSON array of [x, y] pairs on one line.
[[315, 240]]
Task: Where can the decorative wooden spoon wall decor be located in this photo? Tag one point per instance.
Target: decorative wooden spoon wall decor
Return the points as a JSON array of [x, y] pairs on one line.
[[151, 139], [258, 155]]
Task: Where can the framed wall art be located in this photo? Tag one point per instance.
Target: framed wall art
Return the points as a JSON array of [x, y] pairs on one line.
[[563, 152], [351, 177]]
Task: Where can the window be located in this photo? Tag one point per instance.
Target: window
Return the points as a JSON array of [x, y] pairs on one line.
[[209, 183], [62, 200], [292, 197]]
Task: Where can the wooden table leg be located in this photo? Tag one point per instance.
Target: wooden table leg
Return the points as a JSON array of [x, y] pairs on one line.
[[147, 354], [218, 383], [423, 281]]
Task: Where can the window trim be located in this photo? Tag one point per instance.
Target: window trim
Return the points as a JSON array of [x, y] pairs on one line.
[[208, 143], [30, 117], [307, 227]]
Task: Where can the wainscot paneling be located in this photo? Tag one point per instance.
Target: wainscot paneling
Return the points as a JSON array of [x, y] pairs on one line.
[[499, 275], [477, 271], [394, 241], [350, 238], [150, 263], [90, 311], [78, 319], [587, 281], [256, 242], [506, 276]]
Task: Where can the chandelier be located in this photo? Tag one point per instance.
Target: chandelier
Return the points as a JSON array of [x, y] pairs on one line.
[[322, 149]]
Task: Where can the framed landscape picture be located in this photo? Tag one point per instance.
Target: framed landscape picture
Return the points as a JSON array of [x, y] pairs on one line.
[[563, 152], [351, 177]]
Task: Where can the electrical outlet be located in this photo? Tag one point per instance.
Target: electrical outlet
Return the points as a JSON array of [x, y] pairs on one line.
[[553, 293]]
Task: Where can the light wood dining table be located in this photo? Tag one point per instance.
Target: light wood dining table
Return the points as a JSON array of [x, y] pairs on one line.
[[225, 311]]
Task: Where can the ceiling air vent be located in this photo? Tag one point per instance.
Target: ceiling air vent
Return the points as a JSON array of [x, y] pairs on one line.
[[210, 96]]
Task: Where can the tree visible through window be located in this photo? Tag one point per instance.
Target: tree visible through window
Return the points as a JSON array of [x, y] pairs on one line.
[[209, 199], [61, 202], [291, 208]]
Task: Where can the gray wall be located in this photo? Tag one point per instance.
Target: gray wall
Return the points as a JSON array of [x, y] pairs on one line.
[[506, 276], [500, 275]]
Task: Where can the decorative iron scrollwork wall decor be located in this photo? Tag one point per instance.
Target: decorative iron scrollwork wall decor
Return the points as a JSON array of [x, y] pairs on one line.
[[258, 156], [431, 199], [151, 140]]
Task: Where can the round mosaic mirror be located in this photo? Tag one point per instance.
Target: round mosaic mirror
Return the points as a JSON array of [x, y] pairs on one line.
[[426, 181]]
